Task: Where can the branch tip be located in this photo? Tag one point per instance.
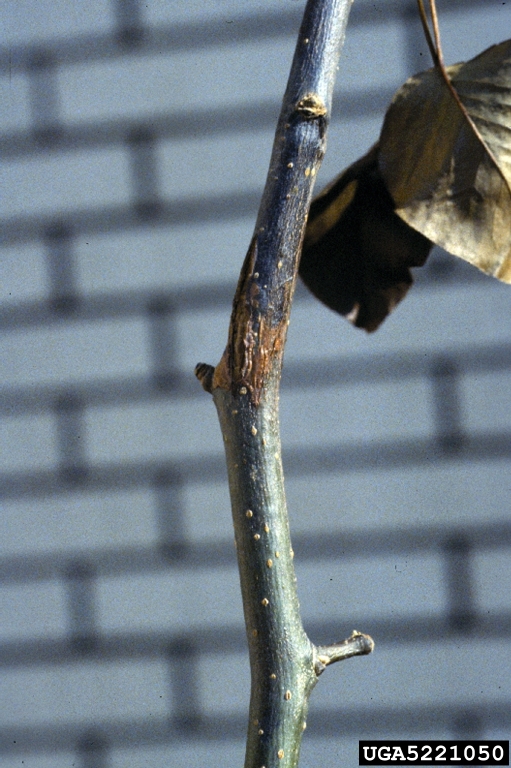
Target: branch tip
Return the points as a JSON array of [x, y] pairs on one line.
[[204, 373], [358, 644]]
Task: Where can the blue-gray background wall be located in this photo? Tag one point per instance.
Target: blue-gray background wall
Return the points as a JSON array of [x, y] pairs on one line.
[[135, 139]]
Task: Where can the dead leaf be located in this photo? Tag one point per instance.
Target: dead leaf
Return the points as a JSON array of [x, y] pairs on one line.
[[357, 252], [449, 174]]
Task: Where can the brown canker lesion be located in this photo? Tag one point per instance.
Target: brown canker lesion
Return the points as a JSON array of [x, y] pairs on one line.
[[254, 343]]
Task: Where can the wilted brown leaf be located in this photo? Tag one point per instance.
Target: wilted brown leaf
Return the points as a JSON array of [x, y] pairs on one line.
[[357, 252], [449, 173]]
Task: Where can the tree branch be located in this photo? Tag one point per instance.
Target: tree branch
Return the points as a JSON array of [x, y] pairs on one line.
[[245, 387]]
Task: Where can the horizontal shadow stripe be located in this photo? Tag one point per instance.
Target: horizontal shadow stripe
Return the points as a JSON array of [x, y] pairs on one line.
[[119, 561], [187, 211], [196, 124], [377, 721], [441, 270], [297, 462], [307, 374], [219, 641], [189, 36]]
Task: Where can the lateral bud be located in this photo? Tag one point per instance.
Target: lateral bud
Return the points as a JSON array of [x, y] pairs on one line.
[[311, 107], [204, 373]]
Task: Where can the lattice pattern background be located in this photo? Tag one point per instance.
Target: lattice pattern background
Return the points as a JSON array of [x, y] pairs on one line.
[[135, 139]]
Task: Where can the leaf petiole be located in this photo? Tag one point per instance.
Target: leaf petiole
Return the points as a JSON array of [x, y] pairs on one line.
[[427, 34]]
